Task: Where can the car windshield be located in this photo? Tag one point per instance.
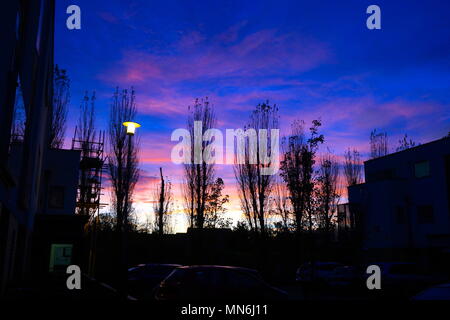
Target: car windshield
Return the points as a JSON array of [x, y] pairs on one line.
[[135, 271], [176, 275], [252, 273], [242, 279], [160, 269]]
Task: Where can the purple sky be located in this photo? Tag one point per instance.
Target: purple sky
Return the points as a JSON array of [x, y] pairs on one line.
[[314, 60]]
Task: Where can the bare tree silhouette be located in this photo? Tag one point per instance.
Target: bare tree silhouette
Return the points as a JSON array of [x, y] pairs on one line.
[[123, 156], [327, 192], [198, 175], [297, 169], [282, 206], [352, 167], [124, 173], [86, 121], [61, 98], [162, 205], [215, 207], [378, 144], [405, 143], [255, 188]]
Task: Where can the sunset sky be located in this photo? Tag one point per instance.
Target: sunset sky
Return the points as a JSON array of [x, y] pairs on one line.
[[314, 59]]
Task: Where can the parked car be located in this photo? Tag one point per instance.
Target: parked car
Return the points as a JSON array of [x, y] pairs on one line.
[[403, 279], [144, 277], [402, 273], [216, 283], [439, 292], [347, 277], [316, 272]]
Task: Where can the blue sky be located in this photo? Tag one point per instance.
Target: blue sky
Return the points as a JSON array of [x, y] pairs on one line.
[[312, 58]]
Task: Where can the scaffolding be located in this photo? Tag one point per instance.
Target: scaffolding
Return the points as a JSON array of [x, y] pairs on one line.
[[89, 191]]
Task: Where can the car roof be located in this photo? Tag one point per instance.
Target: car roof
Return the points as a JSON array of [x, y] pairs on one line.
[[390, 263], [158, 265], [219, 267], [324, 263]]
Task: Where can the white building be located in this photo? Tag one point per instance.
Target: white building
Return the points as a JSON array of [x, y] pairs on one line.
[[404, 203]]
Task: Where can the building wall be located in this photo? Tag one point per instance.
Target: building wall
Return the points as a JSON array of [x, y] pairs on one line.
[[394, 203], [26, 58], [59, 184]]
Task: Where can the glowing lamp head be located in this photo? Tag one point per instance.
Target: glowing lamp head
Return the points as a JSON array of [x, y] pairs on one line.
[[131, 127]]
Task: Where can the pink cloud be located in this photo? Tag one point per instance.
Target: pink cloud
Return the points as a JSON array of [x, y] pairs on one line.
[[222, 58]]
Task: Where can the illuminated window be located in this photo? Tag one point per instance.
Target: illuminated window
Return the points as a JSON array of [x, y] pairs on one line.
[[60, 256], [422, 169]]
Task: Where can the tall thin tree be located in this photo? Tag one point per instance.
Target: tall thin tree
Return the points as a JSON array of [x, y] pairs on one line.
[[198, 175], [297, 170], [215, 206], [162, 205], [327, 192], [61, 98], [352, 167], [124, 172], [378, 144], [282, 205], [255, 187]]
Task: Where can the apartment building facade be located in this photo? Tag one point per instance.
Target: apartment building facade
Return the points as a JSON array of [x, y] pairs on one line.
[[404, 203], [26, 63]]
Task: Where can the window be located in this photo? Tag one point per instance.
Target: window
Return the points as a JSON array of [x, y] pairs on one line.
[[422, 169], [60, 256], [177, 276], [425, 214], [207, 277], [161, 270], [56, 198], [241, 280]]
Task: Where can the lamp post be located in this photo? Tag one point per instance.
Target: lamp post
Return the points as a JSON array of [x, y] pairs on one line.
[[131, 130]]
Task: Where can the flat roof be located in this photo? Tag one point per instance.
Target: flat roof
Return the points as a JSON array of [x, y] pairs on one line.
[[410, 149]]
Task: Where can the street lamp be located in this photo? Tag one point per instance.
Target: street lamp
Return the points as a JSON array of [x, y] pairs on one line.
[[131, 130], [131, 127]]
